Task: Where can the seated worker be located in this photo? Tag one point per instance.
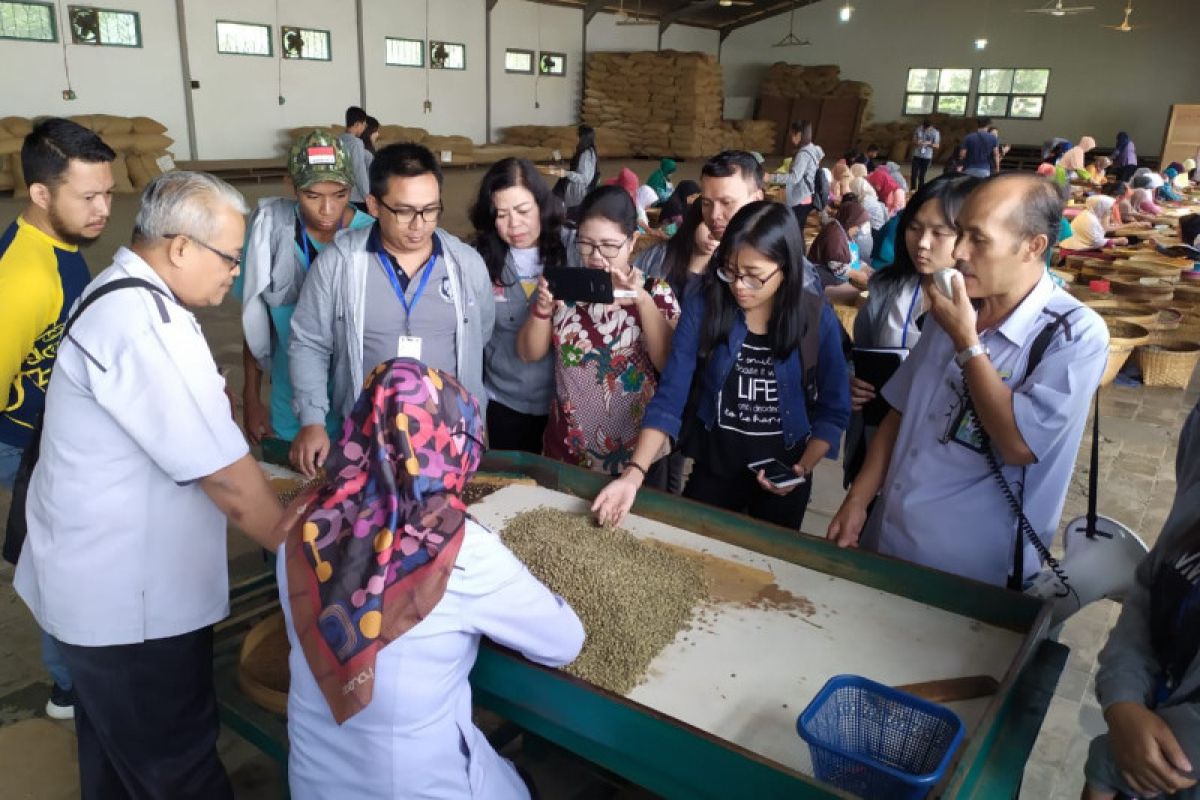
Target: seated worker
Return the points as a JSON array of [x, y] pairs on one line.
[[660, 179], [836, 256], [284, 239], [387, 586], [1091, 227], [1148, 683], [967, 406], [402, 287]]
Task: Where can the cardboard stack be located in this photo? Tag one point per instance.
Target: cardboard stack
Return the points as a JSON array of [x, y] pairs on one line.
[[797, 80], [141, 144]]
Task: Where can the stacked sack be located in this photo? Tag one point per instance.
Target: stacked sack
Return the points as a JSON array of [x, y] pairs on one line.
[[895, 138], [797, 80], [141, 145], [663, 102], [460, 148]]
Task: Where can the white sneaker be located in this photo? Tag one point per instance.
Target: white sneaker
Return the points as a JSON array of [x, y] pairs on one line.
[[61, 704]]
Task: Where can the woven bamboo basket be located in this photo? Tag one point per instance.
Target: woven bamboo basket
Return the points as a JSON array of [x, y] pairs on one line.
[[1122, 338], [1169, 364], [263, 673], [846, 314], [1131, 270], [1143, 290], [1124, 312]]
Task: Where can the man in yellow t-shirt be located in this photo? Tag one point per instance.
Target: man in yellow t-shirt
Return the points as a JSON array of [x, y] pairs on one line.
[[42, 274]]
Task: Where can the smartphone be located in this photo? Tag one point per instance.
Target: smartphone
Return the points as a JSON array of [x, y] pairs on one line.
[[580, 285], [777, 472], [943, 279]]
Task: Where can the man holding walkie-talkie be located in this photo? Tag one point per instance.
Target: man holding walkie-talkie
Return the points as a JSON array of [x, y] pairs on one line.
[[969, 469]]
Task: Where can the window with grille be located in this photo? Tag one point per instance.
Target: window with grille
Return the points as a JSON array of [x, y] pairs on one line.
[[404, 52], [33, 22], [104, 26], [552, 63], [447, 55], [1012, 93], [518, 61], [942, 91], [305, 43], [243, 38]]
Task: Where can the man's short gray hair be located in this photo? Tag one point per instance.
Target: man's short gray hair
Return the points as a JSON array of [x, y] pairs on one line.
[[184, 203]]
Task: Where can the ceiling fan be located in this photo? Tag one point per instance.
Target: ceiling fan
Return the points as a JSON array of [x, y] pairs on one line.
[[791, 40], [635, 18], [1057, 9], [1125, 27]]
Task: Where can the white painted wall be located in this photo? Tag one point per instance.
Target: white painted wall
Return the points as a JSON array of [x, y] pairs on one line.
[[396, 94], [604, 34], [143, 81], [1101, 81], [237, 108], [524, 25], [689, 39]]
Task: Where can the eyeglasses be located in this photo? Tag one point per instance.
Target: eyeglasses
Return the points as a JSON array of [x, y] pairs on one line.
[[406, 215], [606, 249], [233, 261], [749, 281]]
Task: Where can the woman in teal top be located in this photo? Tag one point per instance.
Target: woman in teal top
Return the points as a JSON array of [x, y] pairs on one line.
[[660, 179]]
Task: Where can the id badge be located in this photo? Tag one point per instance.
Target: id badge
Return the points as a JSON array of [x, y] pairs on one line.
[[409, 347]]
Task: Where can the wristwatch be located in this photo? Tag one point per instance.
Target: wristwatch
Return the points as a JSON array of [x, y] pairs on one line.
[[963, 356]]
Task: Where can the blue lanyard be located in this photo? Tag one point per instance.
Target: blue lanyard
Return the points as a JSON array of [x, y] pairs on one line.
[[309, 247], [426, 271], [908, 317]]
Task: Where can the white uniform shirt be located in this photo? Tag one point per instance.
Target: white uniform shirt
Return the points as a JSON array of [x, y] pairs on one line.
[[940, 504], [416, 737], [124, 545]]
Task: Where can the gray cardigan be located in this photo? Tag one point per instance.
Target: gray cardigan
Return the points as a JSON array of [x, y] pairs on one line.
[[1129, 669], [327, 328]]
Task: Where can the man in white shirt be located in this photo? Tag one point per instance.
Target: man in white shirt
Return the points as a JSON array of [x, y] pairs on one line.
[[141, 462], [926, 140], [971, 409]]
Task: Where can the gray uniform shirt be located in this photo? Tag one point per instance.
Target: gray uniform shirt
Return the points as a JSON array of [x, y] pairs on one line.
[[360, 162], [432, 319]]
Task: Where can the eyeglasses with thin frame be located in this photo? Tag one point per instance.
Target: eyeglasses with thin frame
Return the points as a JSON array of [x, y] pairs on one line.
[[406, 216], [749, 281], [233, 261], [606, 249]]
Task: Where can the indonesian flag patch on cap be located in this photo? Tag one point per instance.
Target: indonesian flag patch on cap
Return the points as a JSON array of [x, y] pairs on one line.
[[322, 155]]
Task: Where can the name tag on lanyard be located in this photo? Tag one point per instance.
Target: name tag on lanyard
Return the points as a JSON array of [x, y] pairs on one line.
[[407, 346]]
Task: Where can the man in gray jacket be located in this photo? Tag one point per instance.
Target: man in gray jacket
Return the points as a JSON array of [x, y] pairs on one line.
[[1149, 678], [401, 288], [356, 151]]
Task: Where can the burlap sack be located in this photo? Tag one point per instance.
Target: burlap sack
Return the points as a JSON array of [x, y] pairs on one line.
[[17, 126], [108, 124], [151, 142], [8, 145], [147, 125], [120, 172], [139, 174], [20, 190]]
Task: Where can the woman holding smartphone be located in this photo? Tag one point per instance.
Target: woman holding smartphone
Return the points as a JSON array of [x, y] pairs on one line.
[[606, 357], [742, 335]]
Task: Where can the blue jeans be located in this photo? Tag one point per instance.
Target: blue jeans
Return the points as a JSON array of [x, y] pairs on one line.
[[52, 660], [979, 172], [10, 459]]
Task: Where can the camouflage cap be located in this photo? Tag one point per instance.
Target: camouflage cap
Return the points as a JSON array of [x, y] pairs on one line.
[[316, 157]]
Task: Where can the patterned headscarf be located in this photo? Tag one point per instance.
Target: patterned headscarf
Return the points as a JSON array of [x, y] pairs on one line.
[[372, 557]]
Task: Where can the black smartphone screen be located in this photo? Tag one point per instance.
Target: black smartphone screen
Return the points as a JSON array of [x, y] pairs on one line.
[[580, 285]]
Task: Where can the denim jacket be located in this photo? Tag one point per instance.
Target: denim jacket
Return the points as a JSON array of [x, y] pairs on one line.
[[830, 410]]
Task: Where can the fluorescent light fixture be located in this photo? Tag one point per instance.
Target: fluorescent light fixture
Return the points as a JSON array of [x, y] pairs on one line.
[[845, 13], [980, 44]]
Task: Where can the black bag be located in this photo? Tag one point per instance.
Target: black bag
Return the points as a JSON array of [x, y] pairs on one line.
[[17, 527], [820, 196]]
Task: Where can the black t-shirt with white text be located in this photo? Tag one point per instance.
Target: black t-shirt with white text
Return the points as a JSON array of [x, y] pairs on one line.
[[749, 425]]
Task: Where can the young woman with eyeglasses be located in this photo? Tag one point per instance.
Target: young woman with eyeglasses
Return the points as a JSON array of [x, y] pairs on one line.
[[607, 357], [736, 376]]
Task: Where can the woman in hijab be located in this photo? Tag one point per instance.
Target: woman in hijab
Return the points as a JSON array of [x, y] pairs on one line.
[[1143, 205], [1089, 230], [836, 254], [1168, 190], [1125, 157], [677, 204], [1073, 160], [864, 192], [840, 184], [887, 190], [660, 179], [388, 585]]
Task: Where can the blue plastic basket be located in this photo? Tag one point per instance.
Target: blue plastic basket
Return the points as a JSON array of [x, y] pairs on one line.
[[877, 742]]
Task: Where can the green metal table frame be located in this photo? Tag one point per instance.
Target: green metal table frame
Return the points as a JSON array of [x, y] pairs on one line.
[[676, 760]]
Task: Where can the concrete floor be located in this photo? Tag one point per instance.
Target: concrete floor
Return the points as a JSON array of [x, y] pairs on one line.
[[1139, 430]]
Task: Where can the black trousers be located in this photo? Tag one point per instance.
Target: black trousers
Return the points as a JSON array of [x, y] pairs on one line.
[[802, 212], [745, 496], [919, 167], [514, 430], [146, 720]]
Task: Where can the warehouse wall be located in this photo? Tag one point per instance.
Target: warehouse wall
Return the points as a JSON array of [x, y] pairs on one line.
[[107, 80], [532, 26], [1101, 81], [237, 108], [689, 39]]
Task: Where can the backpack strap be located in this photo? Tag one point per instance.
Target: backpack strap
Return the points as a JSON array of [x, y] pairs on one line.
[[810, 342], [108, 288]]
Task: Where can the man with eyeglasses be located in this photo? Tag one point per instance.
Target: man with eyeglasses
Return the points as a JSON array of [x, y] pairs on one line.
[[402, 288], [141, 467]]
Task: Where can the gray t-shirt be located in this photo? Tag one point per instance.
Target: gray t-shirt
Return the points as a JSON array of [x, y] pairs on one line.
[[432, 318]]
